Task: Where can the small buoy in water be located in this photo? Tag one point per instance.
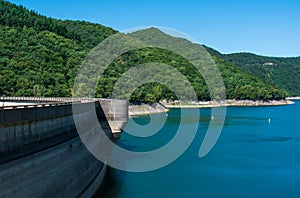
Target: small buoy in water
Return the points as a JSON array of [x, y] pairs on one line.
[[166, 115], [212, 118], [269, 120]]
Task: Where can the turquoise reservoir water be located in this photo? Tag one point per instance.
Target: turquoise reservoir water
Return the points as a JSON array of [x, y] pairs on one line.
[[252, 158]]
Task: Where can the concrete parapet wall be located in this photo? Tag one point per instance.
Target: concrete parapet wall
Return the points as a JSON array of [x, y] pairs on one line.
[[116, 112], [65, 170], [41, 153], [27, 130], [115, 109], [23, 139]]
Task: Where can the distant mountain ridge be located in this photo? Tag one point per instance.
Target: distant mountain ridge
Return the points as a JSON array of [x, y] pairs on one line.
[[280, 71], [40, 56]]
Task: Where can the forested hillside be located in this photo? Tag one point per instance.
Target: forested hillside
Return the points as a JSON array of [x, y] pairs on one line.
[[40, 56], [282, 72], [239, 84]]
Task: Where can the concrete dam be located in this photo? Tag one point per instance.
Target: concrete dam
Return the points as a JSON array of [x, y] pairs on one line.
[[41, 153]]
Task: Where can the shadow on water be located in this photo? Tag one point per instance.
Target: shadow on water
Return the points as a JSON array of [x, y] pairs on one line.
[[111, 181], [273, 139], [126, 145], [146, 119]]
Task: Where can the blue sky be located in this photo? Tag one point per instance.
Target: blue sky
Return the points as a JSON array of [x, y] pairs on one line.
[[263, 27]]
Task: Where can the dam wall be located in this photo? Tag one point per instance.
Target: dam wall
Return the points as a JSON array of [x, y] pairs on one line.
[[41, 153]]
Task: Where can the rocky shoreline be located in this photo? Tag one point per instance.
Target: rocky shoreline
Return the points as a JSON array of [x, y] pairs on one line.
[[293, 98], [226, 103], [163, 106], [144, 109]]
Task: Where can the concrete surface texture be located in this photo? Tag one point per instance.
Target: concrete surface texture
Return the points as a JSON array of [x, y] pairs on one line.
[[41, 153]]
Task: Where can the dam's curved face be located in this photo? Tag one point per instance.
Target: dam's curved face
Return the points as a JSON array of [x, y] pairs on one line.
[[41, 153]]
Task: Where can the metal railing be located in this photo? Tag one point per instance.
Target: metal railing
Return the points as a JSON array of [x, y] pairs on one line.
[[38, 105], [38, 102], [42, 99]]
